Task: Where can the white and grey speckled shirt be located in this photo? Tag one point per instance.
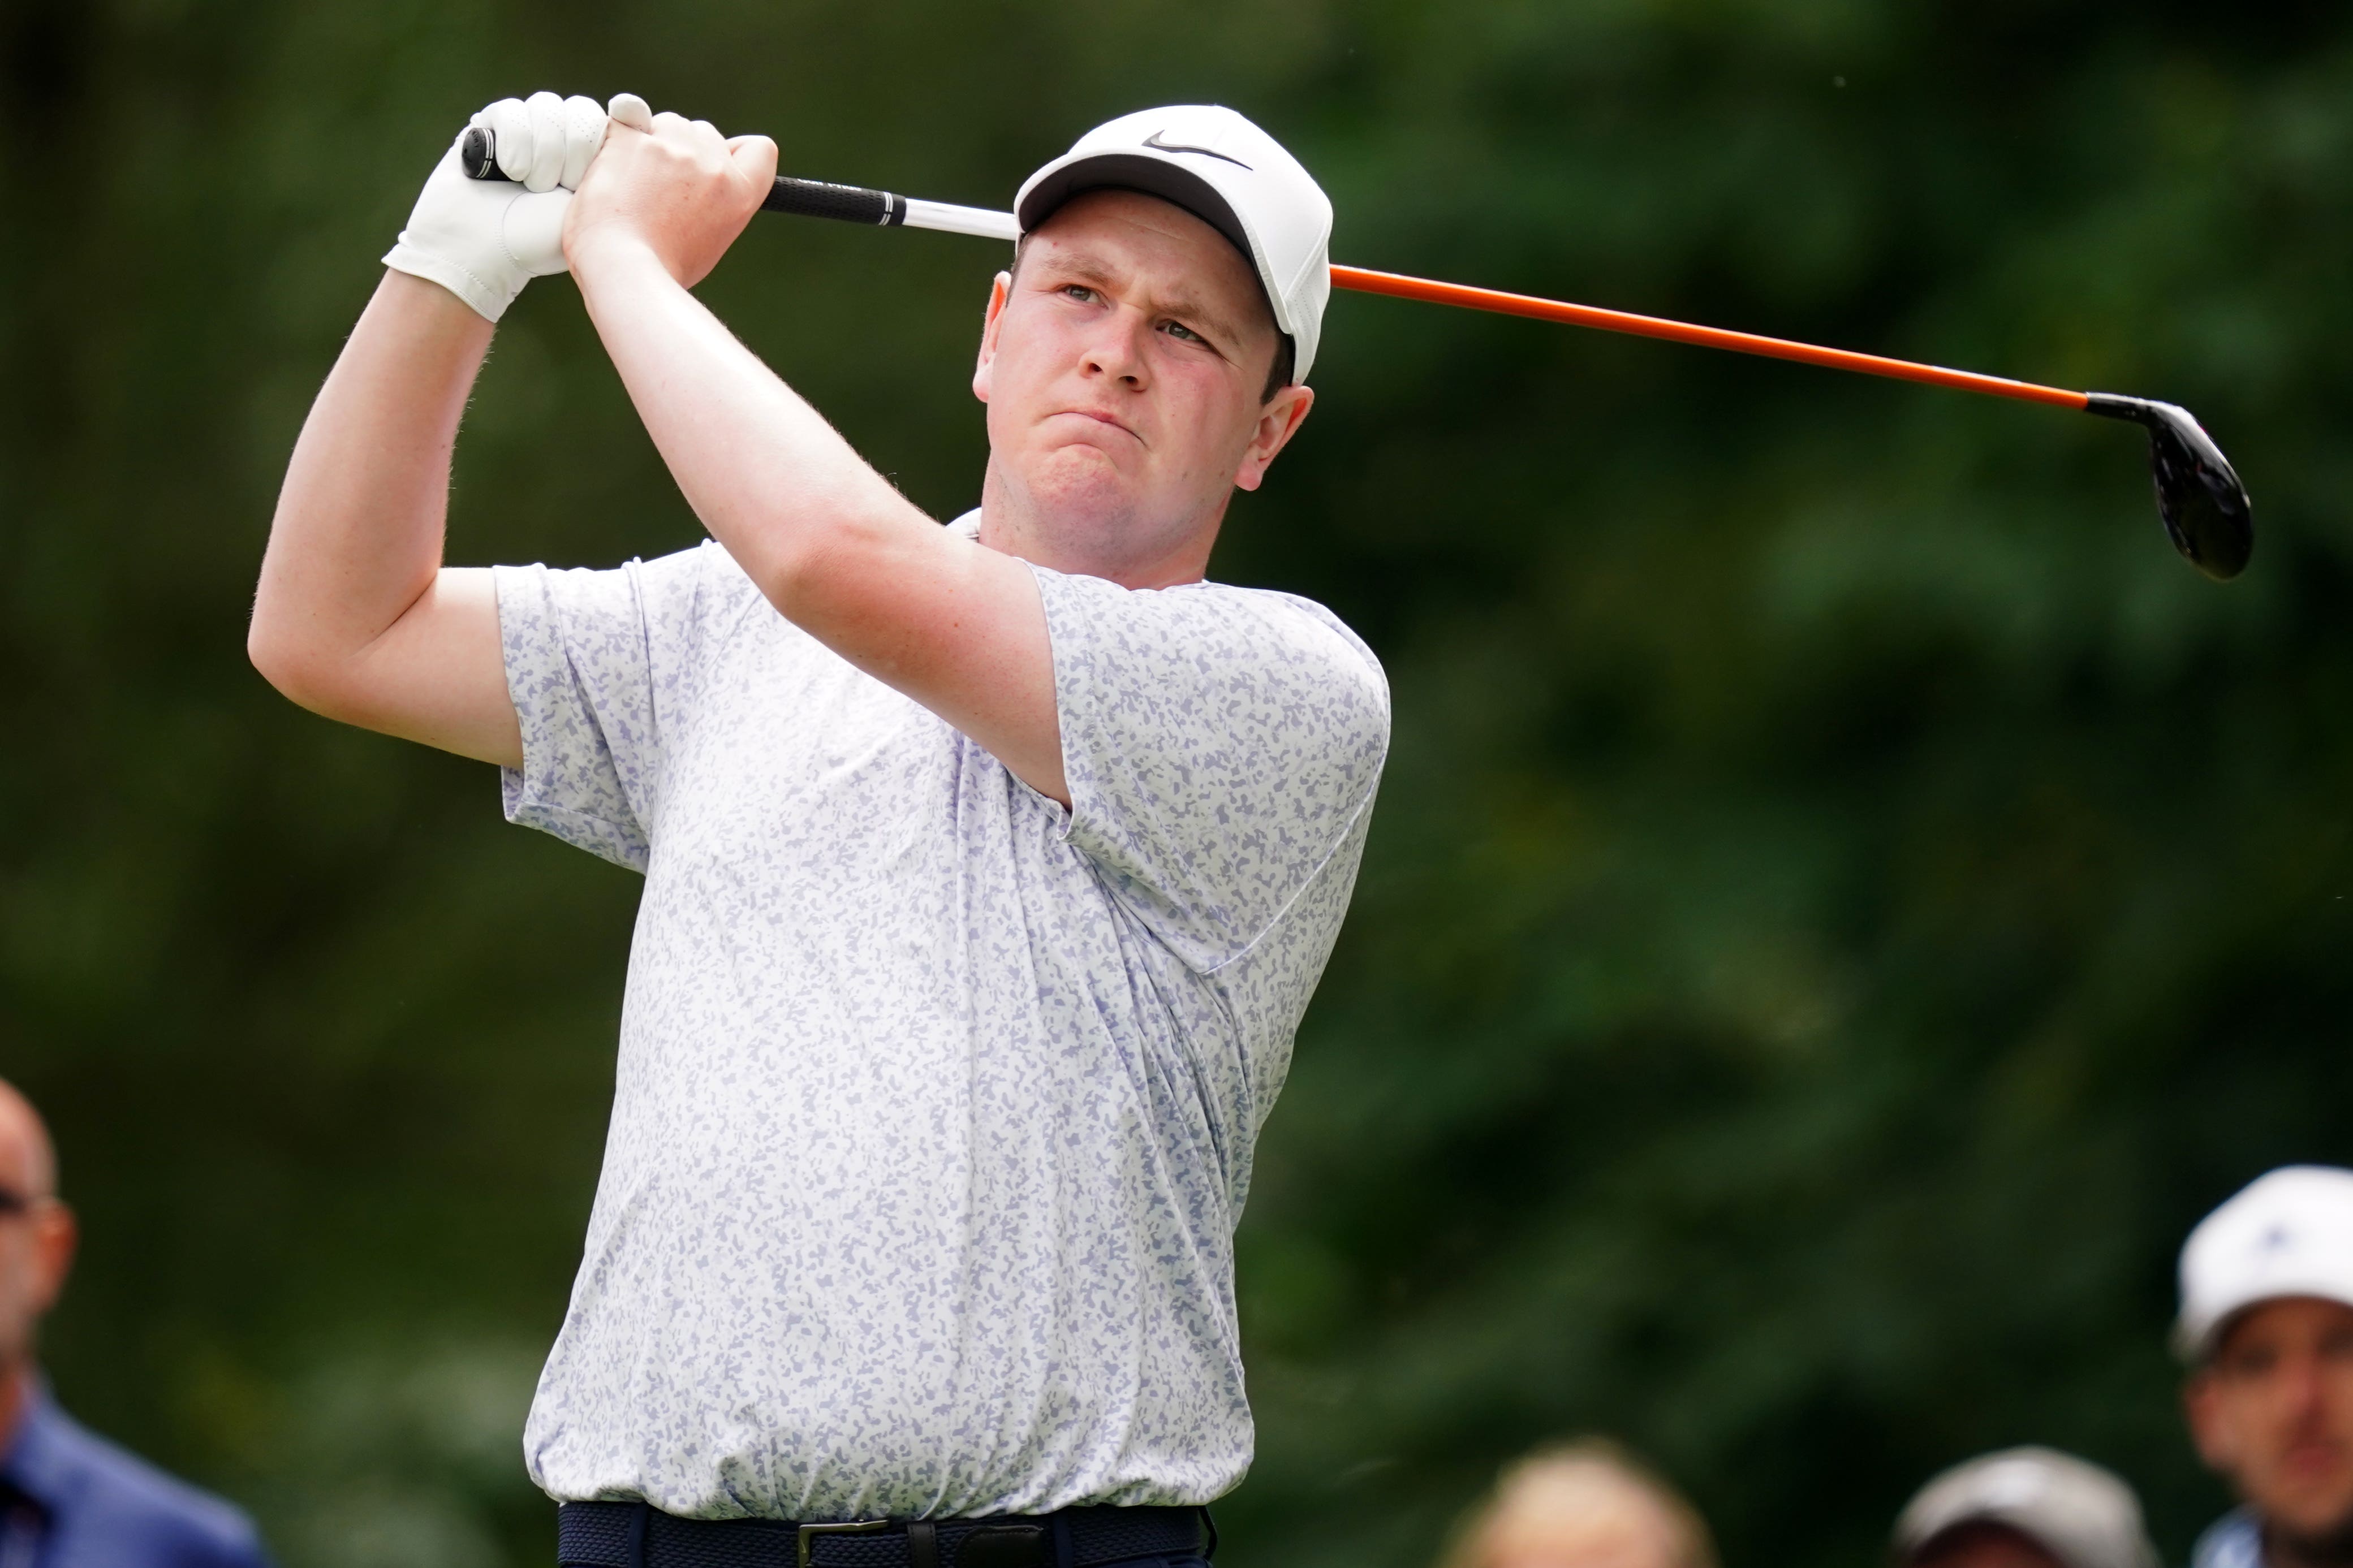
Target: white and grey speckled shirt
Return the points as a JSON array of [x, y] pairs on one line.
[[935, 1102]]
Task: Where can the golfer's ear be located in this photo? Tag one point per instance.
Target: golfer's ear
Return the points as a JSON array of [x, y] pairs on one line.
[[1278, 422], [997, 292]]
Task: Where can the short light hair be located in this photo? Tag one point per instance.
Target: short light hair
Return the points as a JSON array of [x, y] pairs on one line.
[[1570, 1485]]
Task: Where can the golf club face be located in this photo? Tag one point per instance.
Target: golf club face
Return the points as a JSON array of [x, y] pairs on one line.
[[2205, 507]]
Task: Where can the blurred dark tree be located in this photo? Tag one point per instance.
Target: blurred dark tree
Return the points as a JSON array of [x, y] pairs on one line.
[[1845, 898]]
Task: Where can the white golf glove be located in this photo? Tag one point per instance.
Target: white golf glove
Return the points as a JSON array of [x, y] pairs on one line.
[[484, 240]]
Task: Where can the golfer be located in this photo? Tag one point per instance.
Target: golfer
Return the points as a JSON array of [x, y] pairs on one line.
[[988, 867]]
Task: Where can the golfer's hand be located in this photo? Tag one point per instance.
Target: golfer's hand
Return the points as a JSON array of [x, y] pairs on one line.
[[671, 186], [484, 240]]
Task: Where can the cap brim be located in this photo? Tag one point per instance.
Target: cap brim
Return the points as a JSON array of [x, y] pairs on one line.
[[2196, 1341], [1135, 172], [1170, 181], [2033, 1531]]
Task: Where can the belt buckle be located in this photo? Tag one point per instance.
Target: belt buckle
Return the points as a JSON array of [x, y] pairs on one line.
[[801, 1539]]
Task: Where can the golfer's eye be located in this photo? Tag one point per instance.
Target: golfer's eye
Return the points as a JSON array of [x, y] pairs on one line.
[[1079, 291], [1179, 330]]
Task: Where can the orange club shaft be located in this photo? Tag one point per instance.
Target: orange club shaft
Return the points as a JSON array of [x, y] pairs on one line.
[[1398, 287]]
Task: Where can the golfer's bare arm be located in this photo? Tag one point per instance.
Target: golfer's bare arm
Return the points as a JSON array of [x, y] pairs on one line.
[[838, 551], [357, 619]]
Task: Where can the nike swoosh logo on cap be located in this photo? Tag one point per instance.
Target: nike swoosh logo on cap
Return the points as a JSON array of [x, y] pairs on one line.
[[1154, 141]]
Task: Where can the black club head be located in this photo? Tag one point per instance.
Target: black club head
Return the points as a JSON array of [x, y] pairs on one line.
[[2205, 507]]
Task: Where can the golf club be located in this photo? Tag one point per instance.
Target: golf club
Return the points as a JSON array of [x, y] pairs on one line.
[[2205, 507]]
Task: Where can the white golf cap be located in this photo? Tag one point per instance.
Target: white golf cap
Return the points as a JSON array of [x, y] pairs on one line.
[[2289, 1233], [2075, 1510], [1225, 171]]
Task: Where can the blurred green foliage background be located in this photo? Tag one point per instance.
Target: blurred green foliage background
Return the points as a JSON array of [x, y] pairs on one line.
[[1845, 898]]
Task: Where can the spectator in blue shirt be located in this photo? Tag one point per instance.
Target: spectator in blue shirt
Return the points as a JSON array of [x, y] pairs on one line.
[[69, 1498]]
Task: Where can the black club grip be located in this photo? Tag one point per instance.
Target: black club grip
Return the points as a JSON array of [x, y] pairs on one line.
[[478, 155], [850, 204]]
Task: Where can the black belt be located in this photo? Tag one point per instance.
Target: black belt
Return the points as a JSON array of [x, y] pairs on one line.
[[631, 1535]]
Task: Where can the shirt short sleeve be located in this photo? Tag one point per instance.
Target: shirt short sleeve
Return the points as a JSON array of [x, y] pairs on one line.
[[1220, 745], [599, 666]]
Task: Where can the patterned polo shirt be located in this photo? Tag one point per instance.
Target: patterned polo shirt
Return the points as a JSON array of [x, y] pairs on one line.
[[934, 1103]]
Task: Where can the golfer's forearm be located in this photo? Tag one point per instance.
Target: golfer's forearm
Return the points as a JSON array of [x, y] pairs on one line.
[[763, 470], [356, 540], [831, 544]]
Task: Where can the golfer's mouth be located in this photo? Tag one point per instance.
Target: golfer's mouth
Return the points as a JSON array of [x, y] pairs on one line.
[[1093, 417]]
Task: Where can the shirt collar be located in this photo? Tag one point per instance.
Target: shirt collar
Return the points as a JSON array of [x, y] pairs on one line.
[[2233, 1540], [40, 1462]]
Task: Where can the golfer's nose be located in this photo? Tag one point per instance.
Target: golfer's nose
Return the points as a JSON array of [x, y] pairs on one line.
[[1116, 347]]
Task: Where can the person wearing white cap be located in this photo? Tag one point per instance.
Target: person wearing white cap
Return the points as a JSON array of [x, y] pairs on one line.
[[2266, 1324], [988, 867], [2024, 1508]]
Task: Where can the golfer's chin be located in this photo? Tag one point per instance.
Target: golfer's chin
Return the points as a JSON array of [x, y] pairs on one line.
[[1078, 484], [1097, 513]]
